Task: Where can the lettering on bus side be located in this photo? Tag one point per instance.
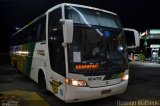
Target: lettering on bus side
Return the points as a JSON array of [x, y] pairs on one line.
[[41, 52]]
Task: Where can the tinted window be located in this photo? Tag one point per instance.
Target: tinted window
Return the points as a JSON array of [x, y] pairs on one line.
[[130, 38], [55, 38], [33, 33], [41, 29]]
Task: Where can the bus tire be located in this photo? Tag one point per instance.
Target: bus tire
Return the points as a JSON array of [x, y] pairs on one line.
[[15, 66], [41, 81]]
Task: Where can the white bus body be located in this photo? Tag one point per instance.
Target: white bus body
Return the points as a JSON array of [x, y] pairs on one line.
[[55, 50]]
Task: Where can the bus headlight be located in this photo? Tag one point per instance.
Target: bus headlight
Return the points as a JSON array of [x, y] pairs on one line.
[[78, 83], [125, 77]]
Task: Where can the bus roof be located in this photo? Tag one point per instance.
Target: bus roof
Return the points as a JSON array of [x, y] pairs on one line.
[[83, 6], [59, 5]]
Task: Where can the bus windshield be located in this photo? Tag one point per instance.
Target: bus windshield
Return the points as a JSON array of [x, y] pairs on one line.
[[98, 46], [91, 17]]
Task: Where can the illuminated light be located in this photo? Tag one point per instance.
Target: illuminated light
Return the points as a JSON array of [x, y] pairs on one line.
[[107, 34], [55, 29], [81, 83], [78, 83], [154, 31], [22, 52], [87, 66], [51, 38], [75, 82], [154, 46], [120, 48], [144, 33], [125, 77]]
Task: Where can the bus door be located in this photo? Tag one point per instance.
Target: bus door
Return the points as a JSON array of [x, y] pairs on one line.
[[57, 68]]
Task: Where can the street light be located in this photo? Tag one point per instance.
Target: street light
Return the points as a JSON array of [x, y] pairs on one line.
[[17, 28]]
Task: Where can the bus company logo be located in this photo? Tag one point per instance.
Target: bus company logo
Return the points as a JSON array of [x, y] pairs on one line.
[[55, 85]]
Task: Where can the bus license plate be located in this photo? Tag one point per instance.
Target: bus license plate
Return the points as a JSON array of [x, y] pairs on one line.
[[106, 92]]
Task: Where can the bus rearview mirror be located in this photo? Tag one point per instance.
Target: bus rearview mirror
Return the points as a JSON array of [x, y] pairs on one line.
[[132, 37], [67, 30]]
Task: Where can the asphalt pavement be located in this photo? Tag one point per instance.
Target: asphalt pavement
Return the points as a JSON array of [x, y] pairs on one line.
[[143, 88]]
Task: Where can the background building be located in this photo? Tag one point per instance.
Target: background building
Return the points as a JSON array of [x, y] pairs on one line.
[[150, 44]]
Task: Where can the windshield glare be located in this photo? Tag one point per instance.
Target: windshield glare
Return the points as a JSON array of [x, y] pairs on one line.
[[91, 17]]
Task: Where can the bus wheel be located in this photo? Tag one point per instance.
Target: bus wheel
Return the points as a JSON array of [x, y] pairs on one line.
[[42, 81], [15, 66]]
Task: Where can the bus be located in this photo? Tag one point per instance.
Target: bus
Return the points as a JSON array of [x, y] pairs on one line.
[[56, 51]]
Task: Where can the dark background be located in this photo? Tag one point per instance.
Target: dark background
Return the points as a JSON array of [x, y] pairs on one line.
[[137, 14]]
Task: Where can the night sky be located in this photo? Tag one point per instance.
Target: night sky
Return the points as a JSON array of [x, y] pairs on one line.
[[137, 14]]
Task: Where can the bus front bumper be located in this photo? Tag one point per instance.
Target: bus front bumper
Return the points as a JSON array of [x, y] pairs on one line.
[[78, 94]]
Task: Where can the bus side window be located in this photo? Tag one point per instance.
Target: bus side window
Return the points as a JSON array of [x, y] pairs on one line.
[[15, 40], [41, 30]]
